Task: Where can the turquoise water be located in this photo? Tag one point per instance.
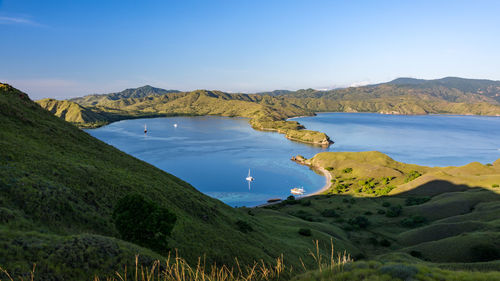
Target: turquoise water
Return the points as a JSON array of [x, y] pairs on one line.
[[214, 153]]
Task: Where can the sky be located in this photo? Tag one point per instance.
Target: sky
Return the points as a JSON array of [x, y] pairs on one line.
[[63, 49]]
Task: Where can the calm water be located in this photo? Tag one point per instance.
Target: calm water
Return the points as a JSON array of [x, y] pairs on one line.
[[431, 140], [214, 153]]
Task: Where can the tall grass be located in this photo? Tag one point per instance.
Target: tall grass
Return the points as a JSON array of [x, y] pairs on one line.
[[175, 268]]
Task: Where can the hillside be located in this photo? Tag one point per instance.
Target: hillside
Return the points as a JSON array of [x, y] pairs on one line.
[[59, 187], [73, 112], [438, 216]]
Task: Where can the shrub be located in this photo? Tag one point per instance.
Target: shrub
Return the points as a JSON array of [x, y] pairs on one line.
[[305, 232], [368, 213], [243, 226], [411, 201], [143, 222], [329, 213], [380, 211], [386, 204], [359, 221], [329, 168], [305, 203], [495, 185], [399, 271], [341, 187], [345, 200], [489, 164], [416, 254], [412, 175], [394, 211], [385, 243], [384, 190], [290, 200], [484, 252], [352, 201], [347, 170], [413, 221], [303, 215]]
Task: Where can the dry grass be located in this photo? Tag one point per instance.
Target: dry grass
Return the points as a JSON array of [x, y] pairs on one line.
[[175, 268]]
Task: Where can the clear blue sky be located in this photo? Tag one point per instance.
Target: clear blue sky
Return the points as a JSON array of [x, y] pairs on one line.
[[71, 48]]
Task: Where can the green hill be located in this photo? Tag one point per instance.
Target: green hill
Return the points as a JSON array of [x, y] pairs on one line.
[[442, 215], [59, 187]]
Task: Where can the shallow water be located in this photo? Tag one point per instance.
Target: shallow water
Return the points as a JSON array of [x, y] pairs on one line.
[[214, 153]]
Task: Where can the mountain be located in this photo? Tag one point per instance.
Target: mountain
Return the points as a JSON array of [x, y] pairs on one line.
[[60, 187], [140, 92], [406, 96]]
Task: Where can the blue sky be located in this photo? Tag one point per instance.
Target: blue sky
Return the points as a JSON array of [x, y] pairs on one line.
[[72, 48]]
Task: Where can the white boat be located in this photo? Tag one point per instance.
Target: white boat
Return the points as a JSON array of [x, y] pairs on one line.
[[249, 178], [145, 129], [297, 191], [175, 125]]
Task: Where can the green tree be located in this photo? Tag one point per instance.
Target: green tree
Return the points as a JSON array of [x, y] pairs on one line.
[[143, 222]]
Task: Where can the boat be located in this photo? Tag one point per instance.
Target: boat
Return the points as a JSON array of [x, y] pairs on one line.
[[249, 178], [145, 129], [175, 125], [297, 191]]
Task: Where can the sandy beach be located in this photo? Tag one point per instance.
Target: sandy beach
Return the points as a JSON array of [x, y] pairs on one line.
[[328, 182]]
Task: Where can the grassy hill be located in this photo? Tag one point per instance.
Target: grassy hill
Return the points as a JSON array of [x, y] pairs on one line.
[[59, 187], [443, 215], [73, 112]]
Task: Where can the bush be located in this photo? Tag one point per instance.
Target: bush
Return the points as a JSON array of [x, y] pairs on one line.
[[412, 201], [329, 168], [347, 170], [399, 271], [359, 221], [303, 215], [412, 175], [394, 211], [243, 226], [329, 213], [368, 213], [385, 243], [305, 203], [305, 232], [143, 222], [416, 254], [384, 190], [484, 252], [413, 221], [495, 185], [386, 204], [380, 211]]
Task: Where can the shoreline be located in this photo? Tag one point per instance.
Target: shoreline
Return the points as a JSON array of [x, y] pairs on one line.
[[328, 182]]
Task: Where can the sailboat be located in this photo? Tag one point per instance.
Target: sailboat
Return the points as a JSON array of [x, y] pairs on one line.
[[145, 129], [249, 178], [175, 125]]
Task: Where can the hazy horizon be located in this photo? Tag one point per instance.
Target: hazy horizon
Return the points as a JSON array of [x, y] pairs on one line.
[[63, 50]]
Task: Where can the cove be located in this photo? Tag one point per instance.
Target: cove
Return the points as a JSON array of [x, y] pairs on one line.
[[214, 155]]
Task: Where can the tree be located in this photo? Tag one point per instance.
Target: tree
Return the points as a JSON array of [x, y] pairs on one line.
[[143, 222]]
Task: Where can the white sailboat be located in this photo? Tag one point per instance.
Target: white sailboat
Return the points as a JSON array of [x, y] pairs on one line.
[[175, 125], [145, 129], [249, 178]]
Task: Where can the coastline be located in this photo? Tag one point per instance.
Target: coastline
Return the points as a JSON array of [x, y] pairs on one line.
[[328, 182]]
